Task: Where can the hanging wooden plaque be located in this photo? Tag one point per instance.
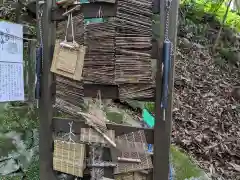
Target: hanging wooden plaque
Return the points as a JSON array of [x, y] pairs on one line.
[[68, 61]]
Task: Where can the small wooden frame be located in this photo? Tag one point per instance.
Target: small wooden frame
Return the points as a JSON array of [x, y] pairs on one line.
[[68, 62]]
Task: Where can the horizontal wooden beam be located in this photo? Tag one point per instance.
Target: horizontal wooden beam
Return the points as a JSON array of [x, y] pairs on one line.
[[107, 91], [89, 10], [61, 125]]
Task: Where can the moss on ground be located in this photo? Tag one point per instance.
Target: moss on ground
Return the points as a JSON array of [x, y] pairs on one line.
[[184, 166], [17, 118], [33, 171], [6, 146]]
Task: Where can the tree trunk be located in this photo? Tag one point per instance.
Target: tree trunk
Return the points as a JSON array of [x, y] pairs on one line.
[[223, 22]]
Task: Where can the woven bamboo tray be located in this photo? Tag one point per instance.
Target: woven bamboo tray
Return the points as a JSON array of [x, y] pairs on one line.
[[69, 157], [146, 162]]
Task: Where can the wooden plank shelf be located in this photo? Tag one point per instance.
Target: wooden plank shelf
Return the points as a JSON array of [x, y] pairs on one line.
[[61, 125]]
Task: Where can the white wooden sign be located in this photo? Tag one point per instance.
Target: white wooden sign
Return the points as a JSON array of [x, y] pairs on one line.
[[11, 62]]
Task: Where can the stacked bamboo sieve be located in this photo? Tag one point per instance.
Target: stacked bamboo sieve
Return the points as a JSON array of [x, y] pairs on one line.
[[100, 57]]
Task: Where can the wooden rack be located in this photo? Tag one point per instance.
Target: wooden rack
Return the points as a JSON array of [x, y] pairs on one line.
[[50, 124]]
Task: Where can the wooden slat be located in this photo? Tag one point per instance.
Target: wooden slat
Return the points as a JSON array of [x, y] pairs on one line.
[[89, 10], [162, 129], [107, 91], [31, 69], [156, 6], [46, 109], [61, 125], [155, 48]]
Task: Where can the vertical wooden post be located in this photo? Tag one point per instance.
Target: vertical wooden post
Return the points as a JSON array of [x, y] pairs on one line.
[[25, 70], [46, 109], [162, 129], [31, 69]]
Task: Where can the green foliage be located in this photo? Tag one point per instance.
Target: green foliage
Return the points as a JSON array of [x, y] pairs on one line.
[[115, 117], [5, 145], [231, 56], [183, 165], [217, 8], [17, 117], [150, 107], [33, 171]]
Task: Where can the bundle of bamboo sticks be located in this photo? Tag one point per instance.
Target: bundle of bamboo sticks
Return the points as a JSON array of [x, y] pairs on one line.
[[67, 108], [69, 90], [99, 62], [133, 42], [141, 91]]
